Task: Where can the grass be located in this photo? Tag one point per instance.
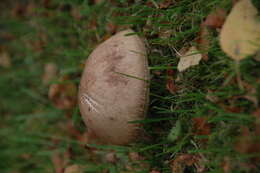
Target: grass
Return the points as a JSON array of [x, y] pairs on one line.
[[33, 129]]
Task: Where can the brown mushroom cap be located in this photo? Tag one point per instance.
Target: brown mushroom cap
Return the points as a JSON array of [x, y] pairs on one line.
[[114, 89]]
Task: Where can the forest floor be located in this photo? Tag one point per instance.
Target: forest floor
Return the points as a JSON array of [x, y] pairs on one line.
[[201, 119]]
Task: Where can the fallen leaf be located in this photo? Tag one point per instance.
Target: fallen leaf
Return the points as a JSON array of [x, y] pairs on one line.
[[150, 4], [75, 13], [31, 8], [5, 60], [181, 161], [231, 108], [203, 41], [157, 72], [6, 37], [201, 127], [111, 28], [256, 114], [39, 44], [154, 171], [248, 142], [216, 19], [226, 165], [50, 73], [19, 10], [73, 169], [26, 156], [64, 95], [58, 163], [134, 156], [98, 1], [240, 33], [191, 58], [165, 4], [255, 148], [72, 130], [111, 157], [170, 81], [47, 3], [244, 141]]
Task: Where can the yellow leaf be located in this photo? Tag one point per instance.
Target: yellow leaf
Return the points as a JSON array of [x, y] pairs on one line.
[[240, 35]]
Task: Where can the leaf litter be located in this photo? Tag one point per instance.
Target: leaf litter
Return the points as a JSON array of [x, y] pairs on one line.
[[191, 58]]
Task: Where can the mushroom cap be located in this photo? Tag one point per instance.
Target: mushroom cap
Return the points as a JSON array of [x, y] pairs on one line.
[[114, 89]]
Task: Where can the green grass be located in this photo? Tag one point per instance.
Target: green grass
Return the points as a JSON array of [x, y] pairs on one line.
[[30, 124]]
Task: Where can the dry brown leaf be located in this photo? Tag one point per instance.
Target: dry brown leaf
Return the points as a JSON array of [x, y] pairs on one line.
[[240, 33], [31, 8], [46, 3], [255, 148], [19, 10], [111, 157], [201, 127], [71, 129], [245, 141], [50, 73], [111, 28], [203, 41], [58, 163], [180, 162], [157, 72], [248, 143], [98, 1], [226, 165], [75, 13], [63, 96], [190, 58], [5, 60], [256, 114], [134, 156], [6, 36], [39, 44], [73, 169], [216, 19], [154, 171], [165, 4], [170, 81]]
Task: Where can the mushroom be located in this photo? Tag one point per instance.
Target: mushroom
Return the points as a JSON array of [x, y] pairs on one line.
[[114, 89]]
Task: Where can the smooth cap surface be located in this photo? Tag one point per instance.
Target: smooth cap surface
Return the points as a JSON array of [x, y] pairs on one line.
[[114, 89]]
